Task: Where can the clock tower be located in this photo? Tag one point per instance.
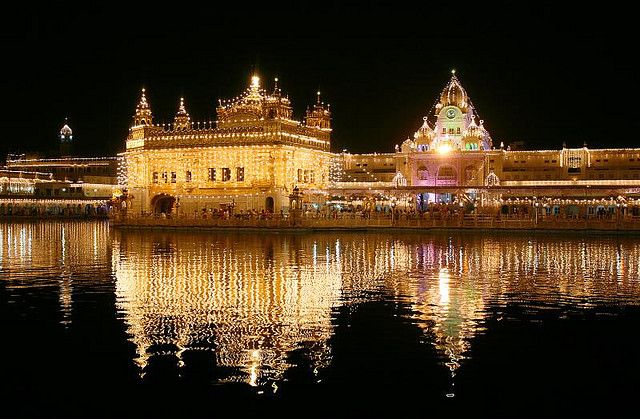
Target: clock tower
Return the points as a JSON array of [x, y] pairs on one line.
[[455, 127]]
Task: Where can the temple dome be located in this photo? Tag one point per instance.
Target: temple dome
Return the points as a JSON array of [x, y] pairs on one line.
[[473, 130], [425, 134], [454, 95]]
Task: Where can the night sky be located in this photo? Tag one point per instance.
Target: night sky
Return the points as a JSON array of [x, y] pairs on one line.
[[536, 73]]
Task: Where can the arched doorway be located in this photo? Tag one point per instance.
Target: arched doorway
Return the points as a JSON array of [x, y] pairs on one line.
[[269, 205], [163, 204]]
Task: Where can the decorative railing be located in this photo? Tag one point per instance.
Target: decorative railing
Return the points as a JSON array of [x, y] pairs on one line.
[[353, 221]]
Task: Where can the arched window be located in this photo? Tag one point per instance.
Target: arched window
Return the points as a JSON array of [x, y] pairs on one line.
[[469, 173], [423, 173], [492, 180], [446, 172], [446, 175]]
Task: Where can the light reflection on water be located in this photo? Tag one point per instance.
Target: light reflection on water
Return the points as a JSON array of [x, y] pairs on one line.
[[249, 300]]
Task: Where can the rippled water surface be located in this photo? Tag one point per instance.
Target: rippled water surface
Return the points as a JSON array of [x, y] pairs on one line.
[[102, 322]]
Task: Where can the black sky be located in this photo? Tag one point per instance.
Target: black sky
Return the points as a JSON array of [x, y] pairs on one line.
[[536, 72]]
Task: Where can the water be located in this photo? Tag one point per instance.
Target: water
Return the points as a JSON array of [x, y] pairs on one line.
[[108, 323]]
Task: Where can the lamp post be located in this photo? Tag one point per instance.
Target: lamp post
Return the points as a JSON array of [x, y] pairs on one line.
[[393, 209]]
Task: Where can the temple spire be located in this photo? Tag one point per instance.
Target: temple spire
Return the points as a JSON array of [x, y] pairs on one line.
[[276, 87], [143, 114], [182, 121], [320, 116], [66, 139]]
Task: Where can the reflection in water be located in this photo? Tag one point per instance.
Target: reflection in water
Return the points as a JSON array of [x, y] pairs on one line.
[[248, 301], [54, 254], [252, 299]]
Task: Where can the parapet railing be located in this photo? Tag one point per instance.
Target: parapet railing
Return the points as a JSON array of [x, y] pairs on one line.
[[474, 221]]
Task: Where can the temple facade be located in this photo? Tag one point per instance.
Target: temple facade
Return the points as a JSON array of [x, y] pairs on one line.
[[251, 158], [256, 155], [452, 158]]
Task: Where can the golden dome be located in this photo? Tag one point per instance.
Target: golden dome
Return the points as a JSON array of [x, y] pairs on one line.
[[454, 94]]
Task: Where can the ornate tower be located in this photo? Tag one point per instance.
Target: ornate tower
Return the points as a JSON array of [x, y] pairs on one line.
[[66, 139], [319, 116], [277, 106], [455, 127], [182, 121], [424, 136], [142, 120], [143, 114]]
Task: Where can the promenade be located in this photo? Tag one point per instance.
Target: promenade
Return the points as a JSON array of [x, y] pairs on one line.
[[352, 221]]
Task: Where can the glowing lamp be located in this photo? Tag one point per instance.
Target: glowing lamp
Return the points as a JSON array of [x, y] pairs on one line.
[[444, 148]]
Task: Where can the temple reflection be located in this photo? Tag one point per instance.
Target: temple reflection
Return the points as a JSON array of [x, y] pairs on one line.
[[256, 305], [249, 300], [252, 299]]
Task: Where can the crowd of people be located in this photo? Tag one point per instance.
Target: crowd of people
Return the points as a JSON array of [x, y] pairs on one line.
[[434, 211]]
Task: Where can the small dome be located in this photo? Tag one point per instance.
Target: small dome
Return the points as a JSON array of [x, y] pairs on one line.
[[408, 146], [473, 130], [425, 133], [454, 94], [66, 131]]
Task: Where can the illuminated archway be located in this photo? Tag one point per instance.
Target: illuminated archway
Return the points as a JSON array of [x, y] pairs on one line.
[[269, 204], [423, 173], [163, 204]]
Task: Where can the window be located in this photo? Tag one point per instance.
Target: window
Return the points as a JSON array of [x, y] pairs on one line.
[[155, 177], [212, 174], [444, 130], [446, 172], [450, 130], [312, 176], [574, 161], [300, 175], [306, 176], [173, 177], [187, 176], [165, 179], [458, 131], [226, 174], [240, 174]]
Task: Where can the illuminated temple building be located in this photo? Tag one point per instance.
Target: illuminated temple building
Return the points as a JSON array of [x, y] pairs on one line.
[[256, 154], [57, 183], [252, 158]]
